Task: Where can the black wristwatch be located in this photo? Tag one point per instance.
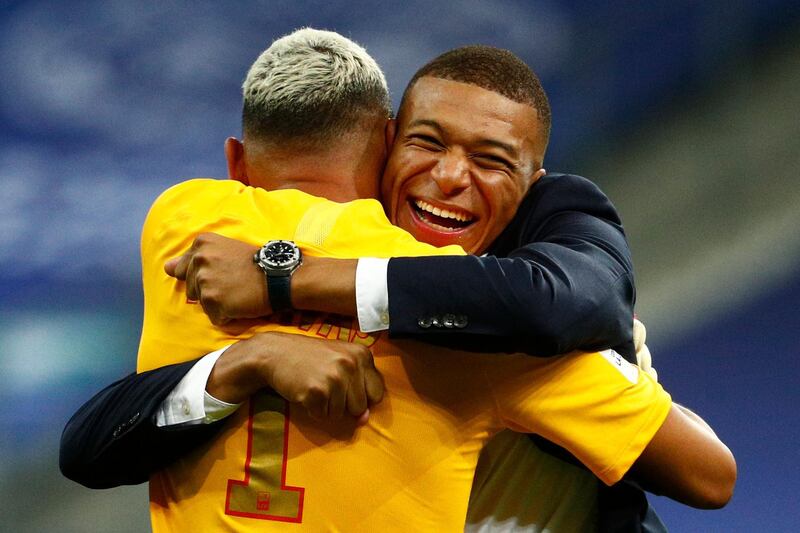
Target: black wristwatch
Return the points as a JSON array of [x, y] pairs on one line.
[[279, 260]]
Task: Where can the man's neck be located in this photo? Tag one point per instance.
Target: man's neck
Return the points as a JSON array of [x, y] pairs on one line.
[[336, 189], [342, 172]]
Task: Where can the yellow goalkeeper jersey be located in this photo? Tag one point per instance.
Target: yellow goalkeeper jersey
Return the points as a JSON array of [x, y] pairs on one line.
[[272, 468]]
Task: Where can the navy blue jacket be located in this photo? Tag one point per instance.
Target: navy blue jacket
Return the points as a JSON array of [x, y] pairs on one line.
[[559, 278]]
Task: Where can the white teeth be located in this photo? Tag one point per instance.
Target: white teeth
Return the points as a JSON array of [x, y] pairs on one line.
[[444, 213]]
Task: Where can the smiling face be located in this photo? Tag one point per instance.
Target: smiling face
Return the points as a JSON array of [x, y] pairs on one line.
[[462, 160]]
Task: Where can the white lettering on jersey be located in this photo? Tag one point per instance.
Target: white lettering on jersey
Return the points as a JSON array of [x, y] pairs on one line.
[[630, 371]]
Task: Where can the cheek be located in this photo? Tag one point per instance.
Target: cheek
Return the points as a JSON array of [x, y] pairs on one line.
[[502, 197], [407, 167]]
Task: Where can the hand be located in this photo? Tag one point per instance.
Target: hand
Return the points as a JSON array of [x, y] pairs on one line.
[[643, 357], [220, 274], [327, 377]]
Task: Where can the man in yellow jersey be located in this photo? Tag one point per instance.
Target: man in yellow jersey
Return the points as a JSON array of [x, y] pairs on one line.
[[410, 468], [331, 185], [412, 465]]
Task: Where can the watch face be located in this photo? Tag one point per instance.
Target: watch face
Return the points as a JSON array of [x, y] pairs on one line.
[[281, 255]]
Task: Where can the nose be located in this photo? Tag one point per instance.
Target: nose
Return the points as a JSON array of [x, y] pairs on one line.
[[451, 173]]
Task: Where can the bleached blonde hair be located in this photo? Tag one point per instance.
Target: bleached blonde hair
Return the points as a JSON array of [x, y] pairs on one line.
[[312, 85]]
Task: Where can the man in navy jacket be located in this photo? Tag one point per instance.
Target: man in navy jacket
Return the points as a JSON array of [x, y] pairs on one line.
[[558, 278], [567, 239]]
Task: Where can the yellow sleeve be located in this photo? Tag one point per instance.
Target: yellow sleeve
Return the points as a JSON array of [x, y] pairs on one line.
[[596, 405], [226, 207]]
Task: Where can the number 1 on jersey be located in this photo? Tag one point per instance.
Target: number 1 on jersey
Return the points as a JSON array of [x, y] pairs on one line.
[[263, 493]]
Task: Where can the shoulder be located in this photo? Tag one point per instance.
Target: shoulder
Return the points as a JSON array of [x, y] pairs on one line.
[[551, 197], [558, 180], [198, 186], [191, 194], [213, 199], [559, 192]]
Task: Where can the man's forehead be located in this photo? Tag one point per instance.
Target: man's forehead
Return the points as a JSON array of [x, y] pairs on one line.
[[487, 117], [431, 87]]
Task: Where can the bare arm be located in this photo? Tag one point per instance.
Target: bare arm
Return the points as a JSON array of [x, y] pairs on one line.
[[694, 416], [113, 439], [566, 284], [328, 285], [220, 274], [686, 461], [327, 377]]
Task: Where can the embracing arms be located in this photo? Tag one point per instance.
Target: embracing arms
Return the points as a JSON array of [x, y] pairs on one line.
[[560, 279], [565, 223], [101, 444], [116, 437]]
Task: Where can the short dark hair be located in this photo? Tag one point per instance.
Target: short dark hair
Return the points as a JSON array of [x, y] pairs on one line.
[[493, 69], [312, 85]]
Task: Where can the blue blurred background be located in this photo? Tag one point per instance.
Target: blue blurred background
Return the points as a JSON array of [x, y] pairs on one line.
[[686, 113]]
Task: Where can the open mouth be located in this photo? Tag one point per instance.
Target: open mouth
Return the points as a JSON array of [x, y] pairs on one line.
[[439, 218]]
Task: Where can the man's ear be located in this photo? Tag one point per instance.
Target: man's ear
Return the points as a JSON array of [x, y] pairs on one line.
[[537, 176], [391, 131], [234, 154]]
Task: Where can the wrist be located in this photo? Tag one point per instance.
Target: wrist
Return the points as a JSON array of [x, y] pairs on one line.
[[237, 373], [279, 259], [263, 358], [326, 285]]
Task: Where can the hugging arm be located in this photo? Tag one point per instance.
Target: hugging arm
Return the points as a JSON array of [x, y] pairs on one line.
[[560, 278], [686, 461], [102, 444], [566, 252], [115, 438]]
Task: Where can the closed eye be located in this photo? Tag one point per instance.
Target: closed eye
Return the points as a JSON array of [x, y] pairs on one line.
[[425, 141], [494, 162]]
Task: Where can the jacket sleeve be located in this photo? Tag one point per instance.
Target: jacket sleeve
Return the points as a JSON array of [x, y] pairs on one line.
[[560, 279], [113, 439]]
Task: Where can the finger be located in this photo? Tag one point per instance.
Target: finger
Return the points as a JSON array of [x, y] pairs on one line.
[[217, 318], [644, 359], [363, 419], [316, 405], [176, 267], [639, 334], [212, 309], [373, 382], [653, 373], [357, 396], [169, 266], [356, 391], [192, 289], [336, 401]]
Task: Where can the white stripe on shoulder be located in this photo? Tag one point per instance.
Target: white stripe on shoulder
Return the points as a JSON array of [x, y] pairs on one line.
[[628, 370]]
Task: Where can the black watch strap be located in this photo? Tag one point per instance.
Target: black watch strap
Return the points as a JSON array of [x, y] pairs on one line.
[[279, 289]]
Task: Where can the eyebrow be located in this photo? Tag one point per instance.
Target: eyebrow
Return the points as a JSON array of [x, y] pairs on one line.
[[427, 122], [510, 150]]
